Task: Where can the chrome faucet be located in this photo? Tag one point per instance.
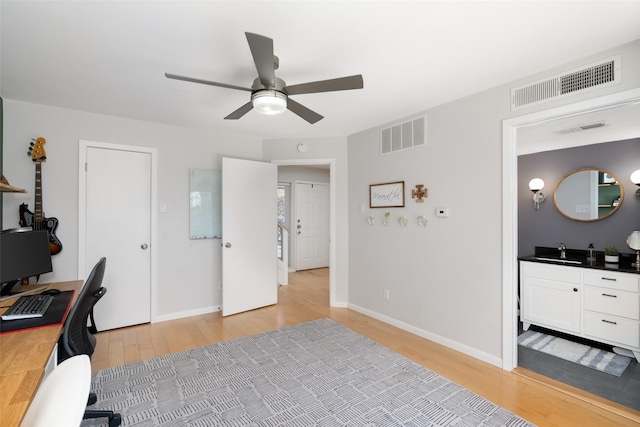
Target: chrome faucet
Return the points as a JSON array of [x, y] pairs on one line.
[[562, 248]]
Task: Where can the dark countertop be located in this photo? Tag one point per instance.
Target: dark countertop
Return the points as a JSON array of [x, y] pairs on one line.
[[624, 266]]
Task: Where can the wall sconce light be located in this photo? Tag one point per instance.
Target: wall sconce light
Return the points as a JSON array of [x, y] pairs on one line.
[[635, 178], [535, 185]]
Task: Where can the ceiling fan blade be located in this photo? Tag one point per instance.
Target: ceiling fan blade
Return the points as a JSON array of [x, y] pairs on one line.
[[302, 111], [341, 83], [240, 111], [262, 52], [205, 82]]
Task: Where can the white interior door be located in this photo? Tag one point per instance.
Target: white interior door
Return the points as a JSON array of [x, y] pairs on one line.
[[118, 227], [312, 226], [249, 235]]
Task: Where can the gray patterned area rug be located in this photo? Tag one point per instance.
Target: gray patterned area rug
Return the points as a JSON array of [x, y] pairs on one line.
[[318, 373]]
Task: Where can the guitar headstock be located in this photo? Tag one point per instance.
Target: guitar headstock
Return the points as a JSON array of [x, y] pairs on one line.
[[36, 150]]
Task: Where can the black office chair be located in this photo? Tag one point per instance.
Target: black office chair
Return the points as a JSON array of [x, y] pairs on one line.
[[77, 337]]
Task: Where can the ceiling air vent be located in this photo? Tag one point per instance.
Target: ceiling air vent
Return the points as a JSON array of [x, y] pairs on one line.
[[601, 74], [580, 128], [403, 136]]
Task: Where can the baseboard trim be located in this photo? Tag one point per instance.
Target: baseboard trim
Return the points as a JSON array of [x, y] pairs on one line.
[[469, 351], [183, 314]]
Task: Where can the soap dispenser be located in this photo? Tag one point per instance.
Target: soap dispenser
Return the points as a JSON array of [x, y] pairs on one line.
[[591, 258]]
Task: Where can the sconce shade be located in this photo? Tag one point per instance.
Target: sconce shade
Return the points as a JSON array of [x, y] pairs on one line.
[[635, 177], [269, 102], [536, 184], [634, 240]]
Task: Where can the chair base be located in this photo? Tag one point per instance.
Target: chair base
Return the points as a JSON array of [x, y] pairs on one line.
[[114, 419]]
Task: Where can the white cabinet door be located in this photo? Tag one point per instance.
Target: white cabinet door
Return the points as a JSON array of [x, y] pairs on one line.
[[552, 304]]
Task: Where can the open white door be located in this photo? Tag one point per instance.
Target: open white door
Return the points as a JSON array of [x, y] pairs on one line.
[[249, 235]]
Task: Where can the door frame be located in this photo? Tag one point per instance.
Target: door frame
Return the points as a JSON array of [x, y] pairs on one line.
[[295, 219], [332, 214], [510, 205], [82, 208]]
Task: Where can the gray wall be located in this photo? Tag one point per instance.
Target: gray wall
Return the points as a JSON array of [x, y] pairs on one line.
[[547, 227], [445, 281]]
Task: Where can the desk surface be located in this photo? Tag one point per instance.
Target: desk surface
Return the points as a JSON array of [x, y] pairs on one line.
[[23, 358]]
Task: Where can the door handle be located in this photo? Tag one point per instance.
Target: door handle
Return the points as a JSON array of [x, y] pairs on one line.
[[227, 245], [144, 246]]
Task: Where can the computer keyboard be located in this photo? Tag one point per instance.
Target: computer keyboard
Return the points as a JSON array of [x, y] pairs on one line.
[[28, 307]]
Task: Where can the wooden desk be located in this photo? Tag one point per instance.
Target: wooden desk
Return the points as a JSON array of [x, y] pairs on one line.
[[23, 358]]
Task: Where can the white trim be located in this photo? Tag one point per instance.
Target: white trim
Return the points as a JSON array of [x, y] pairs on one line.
[[332, 216], [473, 352], [187, 313], [510, 203], [82, 206]]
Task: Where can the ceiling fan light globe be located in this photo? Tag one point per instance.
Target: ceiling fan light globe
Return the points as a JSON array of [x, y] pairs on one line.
[[269, 102]]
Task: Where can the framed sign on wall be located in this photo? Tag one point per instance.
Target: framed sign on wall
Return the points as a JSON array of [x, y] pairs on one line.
[[387, 195]]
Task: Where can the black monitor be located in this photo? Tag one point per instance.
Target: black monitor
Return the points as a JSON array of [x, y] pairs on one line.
[[23, 254]]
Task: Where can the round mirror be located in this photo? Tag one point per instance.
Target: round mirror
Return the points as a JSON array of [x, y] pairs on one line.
[[588, 194]]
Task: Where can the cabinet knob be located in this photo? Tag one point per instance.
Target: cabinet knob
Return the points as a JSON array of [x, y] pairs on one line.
[[575, 289]]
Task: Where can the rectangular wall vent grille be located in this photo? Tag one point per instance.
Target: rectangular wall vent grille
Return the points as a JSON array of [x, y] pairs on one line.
[[580, 128], [403, 136], [600, 74]]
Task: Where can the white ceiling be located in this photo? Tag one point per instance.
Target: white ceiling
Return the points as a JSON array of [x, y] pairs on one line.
[[110, 57]]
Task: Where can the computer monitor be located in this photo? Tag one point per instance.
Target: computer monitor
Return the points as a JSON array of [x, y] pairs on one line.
[[23, 254]]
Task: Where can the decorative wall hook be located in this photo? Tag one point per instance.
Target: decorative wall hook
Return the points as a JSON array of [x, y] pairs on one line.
[[420, 193]]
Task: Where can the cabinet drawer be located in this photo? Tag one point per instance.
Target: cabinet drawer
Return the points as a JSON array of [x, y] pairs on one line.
[[606, 279], [558, 273], [612, 301], [612, 329]]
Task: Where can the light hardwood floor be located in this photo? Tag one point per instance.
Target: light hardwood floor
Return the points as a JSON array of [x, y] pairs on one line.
[[540, 401]]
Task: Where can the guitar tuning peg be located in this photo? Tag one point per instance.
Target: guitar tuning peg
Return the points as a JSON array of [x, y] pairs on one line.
[[31, 143]]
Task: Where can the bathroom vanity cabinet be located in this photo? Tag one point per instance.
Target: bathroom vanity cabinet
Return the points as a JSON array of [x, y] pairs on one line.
[[597, 304]]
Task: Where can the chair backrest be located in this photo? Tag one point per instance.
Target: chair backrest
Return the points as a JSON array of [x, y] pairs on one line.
[[61, 399], [76, 338]]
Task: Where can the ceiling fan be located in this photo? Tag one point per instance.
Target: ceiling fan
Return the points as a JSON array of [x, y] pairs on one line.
[[269, 94]]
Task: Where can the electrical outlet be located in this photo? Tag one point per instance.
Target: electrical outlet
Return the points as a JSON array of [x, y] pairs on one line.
[[385, 294]]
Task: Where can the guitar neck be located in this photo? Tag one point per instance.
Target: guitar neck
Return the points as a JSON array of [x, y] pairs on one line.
[[37, 212]]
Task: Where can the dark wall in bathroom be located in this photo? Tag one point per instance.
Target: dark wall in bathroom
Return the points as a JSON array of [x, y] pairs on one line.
[[547, 227]]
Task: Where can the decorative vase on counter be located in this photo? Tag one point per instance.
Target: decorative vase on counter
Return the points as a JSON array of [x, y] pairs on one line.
[[611, 254]]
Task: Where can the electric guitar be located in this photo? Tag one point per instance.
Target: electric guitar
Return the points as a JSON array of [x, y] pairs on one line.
[[36, 220]]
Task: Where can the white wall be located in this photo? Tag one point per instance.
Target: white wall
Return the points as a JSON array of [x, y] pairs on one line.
[[445, 281], [325, 149], [188, 271]]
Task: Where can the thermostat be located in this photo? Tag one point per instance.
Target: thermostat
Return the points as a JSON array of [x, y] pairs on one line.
[[442, 212]]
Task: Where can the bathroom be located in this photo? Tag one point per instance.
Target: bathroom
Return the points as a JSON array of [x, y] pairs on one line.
[[546, 226]]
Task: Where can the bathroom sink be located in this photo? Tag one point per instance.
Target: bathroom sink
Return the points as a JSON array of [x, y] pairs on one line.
[[559, 260]]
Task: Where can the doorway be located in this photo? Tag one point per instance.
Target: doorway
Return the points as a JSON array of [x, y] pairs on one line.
[[330, 164], [510, 202]]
